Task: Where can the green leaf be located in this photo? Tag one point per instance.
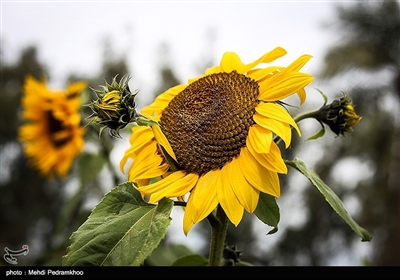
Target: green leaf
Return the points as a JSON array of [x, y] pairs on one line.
[[121, 230], [323, 96], [268, 211], [191, 260], [333, 200], [166, 255], [317, 135], [89, 166]]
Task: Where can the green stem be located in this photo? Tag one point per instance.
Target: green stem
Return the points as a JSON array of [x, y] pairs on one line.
[[308, 115], [219, 228], [105, 149]]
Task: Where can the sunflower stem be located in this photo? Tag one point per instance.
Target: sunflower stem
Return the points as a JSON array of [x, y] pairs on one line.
[[105, 150], [308, 115], [219, 228]]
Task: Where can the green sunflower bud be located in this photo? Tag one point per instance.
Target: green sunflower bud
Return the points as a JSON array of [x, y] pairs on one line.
[[231, 255], [115, 106], [339, 115]]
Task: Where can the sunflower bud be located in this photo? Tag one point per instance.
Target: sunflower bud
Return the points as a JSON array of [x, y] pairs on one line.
[[115, 106], [231, 255], [339, 115]]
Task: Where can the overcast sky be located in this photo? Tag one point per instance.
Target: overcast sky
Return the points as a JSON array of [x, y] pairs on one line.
[[70, 34]]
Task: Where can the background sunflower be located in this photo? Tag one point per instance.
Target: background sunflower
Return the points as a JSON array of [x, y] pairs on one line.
[[52, 132]]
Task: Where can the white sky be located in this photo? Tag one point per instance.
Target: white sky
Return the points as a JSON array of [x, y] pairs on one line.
[[70, 34]]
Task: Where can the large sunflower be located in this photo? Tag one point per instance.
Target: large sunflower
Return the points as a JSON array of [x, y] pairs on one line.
[[216, 137], [52, 134]]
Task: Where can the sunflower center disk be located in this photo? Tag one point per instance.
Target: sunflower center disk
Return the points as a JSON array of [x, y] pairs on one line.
[[58, 134], [208, 122]]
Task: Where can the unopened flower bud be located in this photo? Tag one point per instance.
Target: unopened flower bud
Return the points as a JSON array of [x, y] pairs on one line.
[[339, 115], [115, 106]]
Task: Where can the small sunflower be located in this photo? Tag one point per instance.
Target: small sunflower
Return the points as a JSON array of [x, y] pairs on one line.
[[215, 137], [52, 134]]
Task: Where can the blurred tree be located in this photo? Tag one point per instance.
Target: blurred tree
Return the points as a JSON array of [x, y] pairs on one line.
[[373, 50], [35, 211], [366, 62], [29, 203]]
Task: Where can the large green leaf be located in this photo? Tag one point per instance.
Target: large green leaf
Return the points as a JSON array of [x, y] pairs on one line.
[[121, 230], [333, 200], [268, 211]]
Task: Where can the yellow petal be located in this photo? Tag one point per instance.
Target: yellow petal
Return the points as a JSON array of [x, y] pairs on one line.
[[259, 177], [188, 216], [156, 108], [143, 182], [213, 69], [294, 67], [302, 95], [204, 195], [259, 138], [227, 198], [140, 136], [245, 193], [77, 87], [153, 171], [260, 74], [281, 129], [147, 163], [163, 183], [177, 188], [298, 63], [231, 61], [276, 112], [272, 161], [266, 58], [162, 140], [282, 85], [128, 155]]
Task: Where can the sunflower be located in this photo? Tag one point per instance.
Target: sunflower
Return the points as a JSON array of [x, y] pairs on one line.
[[215, 139], [52, 134]]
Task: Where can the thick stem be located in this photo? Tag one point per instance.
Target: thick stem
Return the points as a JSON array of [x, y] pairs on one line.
[[219, 228]]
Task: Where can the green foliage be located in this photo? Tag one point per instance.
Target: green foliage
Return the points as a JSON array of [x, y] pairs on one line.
[[121, 230], [166, 255], [89, 167], [268, 211], [317, 135], [333, 200], [191, 260]]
